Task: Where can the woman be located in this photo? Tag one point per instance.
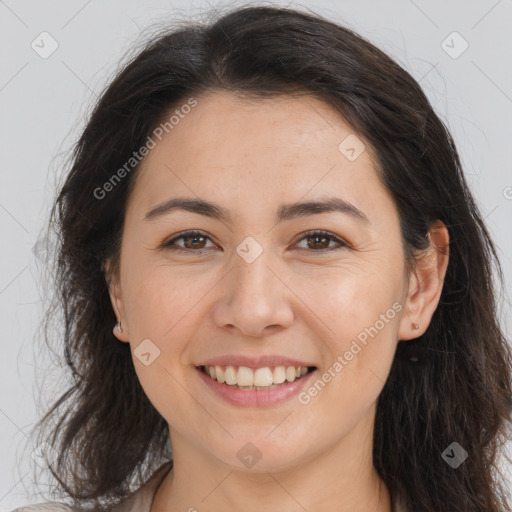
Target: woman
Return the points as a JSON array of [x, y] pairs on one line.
[[276, 222]]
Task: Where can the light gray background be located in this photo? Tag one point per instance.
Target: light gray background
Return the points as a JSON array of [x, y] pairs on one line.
[[43, 105]]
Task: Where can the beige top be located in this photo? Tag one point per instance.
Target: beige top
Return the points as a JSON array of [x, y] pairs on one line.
[[142, 499]]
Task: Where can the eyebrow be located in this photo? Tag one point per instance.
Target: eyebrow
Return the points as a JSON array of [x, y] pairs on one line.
[[285, 212]]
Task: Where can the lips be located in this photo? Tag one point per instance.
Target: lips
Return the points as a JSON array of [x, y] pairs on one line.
[[260, 372], [255, 362], [244, 377], [255, 382]]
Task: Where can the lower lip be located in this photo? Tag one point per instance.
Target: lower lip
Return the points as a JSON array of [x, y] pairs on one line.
[[254, 397]]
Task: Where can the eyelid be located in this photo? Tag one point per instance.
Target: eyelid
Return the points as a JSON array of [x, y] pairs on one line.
[[168, 244], [184, 234], [322, 232]]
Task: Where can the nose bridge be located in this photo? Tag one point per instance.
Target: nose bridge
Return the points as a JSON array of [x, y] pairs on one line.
[[253, 278], [252, 261], [254, 287], [254, 298]]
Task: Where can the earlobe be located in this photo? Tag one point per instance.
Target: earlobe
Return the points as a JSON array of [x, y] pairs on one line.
[[426, 284], [119, 330]]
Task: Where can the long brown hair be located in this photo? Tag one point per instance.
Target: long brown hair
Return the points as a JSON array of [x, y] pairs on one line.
[[459, 387]]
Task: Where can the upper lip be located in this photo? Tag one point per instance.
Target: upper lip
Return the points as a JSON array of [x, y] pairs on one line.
[[254, 362]]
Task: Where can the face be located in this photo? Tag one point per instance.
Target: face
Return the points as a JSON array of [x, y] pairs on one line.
[[258, 291]]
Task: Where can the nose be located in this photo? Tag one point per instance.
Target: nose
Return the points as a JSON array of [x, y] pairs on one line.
[[255, 299]]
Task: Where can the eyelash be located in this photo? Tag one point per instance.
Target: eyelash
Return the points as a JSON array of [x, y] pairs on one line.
[[309, 234]]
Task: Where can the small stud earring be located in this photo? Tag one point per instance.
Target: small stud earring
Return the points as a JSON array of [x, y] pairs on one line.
[[118, 327], [415, 326]]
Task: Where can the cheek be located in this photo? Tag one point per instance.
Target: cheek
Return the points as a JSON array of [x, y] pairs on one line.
[[360, 343], [166, 306], [160, 308], [159, 299], [348, 303], [361, 313]]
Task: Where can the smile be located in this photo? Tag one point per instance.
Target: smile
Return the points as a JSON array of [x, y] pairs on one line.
[[255, 387], [264, 378]]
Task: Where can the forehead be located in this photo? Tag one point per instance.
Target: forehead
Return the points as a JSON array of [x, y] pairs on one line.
[[282, 125], [258, 151]]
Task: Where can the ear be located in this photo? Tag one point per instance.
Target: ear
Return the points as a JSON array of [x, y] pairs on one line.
[[426, 283], [114, 287]]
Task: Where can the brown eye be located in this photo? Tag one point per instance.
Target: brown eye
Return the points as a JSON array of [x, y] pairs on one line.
[[194, 241], [319, 241]]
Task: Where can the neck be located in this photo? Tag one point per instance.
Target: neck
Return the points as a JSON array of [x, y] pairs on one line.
[[342, 479]]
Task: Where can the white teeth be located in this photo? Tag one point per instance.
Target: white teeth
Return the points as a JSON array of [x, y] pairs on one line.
[[245, 376], [261, 378], [220, 376], [280, 374], [231, 377], [290, 374]]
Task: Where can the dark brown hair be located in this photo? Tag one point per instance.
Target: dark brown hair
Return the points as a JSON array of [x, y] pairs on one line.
[[108, 435]]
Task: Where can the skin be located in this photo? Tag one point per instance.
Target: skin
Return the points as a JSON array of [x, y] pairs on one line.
[[305, 301]]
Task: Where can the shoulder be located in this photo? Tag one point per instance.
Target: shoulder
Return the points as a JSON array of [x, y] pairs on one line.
[[140, 501], [52, 506]]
